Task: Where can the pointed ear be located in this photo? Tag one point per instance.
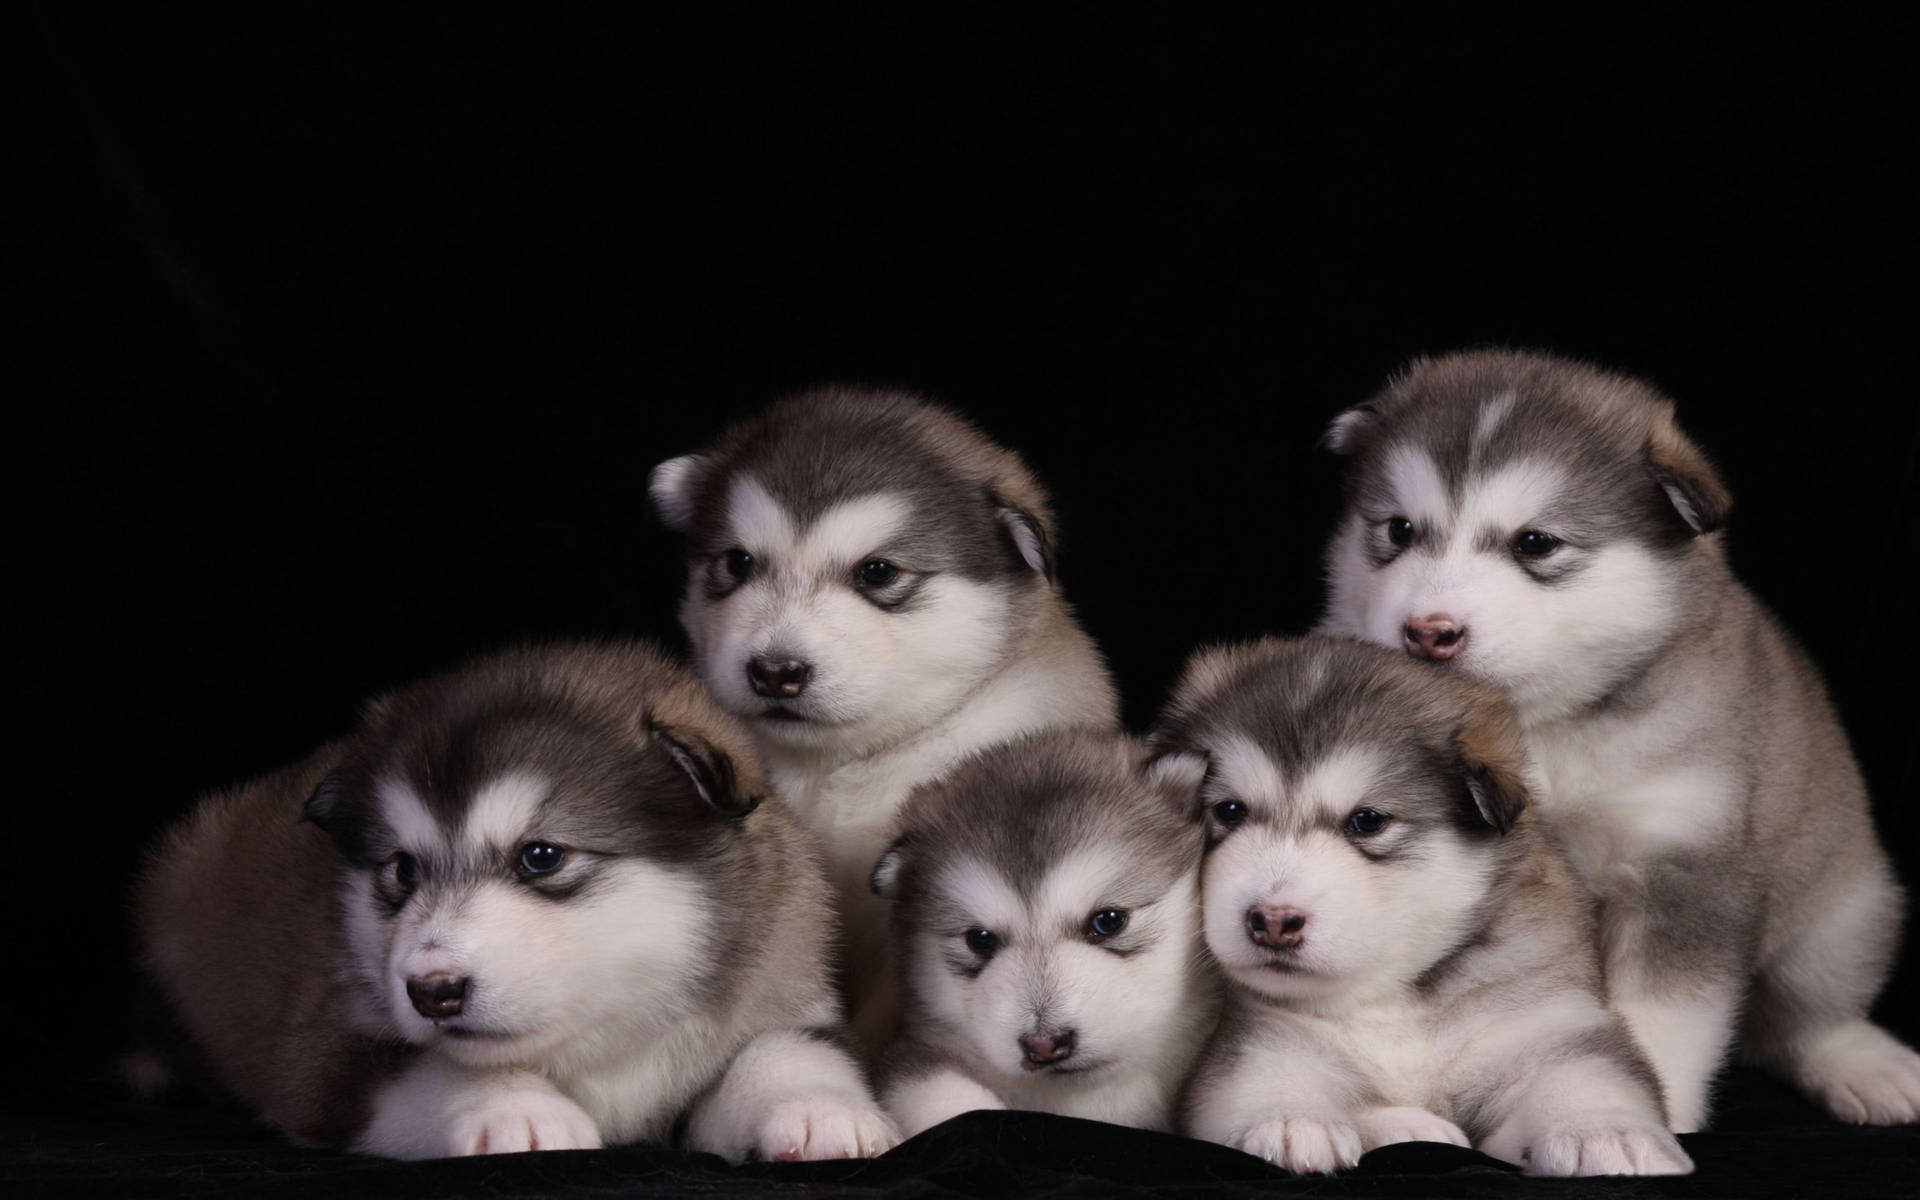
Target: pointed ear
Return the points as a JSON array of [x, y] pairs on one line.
[[1348, 430], [1494, 765], [1688, 478], [886, 872], [324, 804], [671, 485], [1177, 776], [710, 769], [1029, 537]]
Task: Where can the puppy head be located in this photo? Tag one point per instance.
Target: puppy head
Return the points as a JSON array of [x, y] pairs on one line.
[[855, 561], [1357, 806], [531, 857], [1523, 518], [1044, 900]]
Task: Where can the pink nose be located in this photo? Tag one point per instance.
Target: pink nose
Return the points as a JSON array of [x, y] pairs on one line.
[[1436, 635], [1276, 925], [1044, 1049]]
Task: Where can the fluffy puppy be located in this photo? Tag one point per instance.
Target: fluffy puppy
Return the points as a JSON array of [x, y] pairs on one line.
[[1545, 526], [1410, 957], [1046, 925], [870, 587], [500, 915]]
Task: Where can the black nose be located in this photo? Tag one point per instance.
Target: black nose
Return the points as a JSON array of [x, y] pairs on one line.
[[1045, 1049], [778, 676], [436, 996]]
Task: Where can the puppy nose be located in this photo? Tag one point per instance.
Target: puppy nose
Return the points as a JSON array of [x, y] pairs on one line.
[[1046, 1048], [1276, 925], [1436, 635], [779, 676], [436, 996]]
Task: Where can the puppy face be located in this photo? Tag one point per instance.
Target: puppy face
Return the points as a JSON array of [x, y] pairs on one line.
[[1519, 518], [515, 881], [1354, 813], [1062, 941], [854, 563]]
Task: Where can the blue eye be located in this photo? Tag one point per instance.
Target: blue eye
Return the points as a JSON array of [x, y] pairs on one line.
[[1535, 544], [982, 942], [541, 858], [1365, 821], [878, 572], [1106, 923]]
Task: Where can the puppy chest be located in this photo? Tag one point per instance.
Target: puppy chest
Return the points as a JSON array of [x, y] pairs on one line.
[[1395, 1053]]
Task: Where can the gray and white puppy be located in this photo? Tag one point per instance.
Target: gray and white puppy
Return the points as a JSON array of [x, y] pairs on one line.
[[870, 587], [1046, 927], [1410, 957], [503, 915], [1545, 526]]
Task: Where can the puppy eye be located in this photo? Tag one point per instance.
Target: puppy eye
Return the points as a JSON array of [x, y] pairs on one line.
[[1106, 923], [1534, 544], [878, 572], [982, 942], [406, 871], [1365, 821], [1400, 531], [1229, 813], [739, 563], [541, 858]]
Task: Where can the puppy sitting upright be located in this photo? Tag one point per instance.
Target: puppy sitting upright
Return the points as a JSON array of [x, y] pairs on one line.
[[518, 929], [1045, 915], [1411, 957], [870, 586], [1545, 526]]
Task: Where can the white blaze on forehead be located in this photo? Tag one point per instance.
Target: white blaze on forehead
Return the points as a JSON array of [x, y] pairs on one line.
[[1336, 785], [412, 825], [1510, 497], [842, 534], [1416, 485], [1244, 770], [981, 893], [1081, 880], [1492, 413], [502, 812]]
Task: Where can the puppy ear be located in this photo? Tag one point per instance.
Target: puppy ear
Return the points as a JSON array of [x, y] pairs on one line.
[[671, 486], [324, 804], [711, 770], [1177, 776], [886, 872], [1029, 537], [1494, 765], [1348, 430], [1688, 478]]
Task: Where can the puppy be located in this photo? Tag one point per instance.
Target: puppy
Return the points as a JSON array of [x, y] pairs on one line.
[[1410, 957], [1545, 526], [502, 915], [1046, 925], [870, 587]]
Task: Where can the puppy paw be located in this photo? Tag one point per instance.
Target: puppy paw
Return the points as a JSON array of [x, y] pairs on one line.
[[1386, 1126], [818, 1128], [1862, 1075], [1602, 1143], [512, 1121], [1305, 1145]]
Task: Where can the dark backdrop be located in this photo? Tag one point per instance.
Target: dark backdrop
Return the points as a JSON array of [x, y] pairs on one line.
[[347, 340]]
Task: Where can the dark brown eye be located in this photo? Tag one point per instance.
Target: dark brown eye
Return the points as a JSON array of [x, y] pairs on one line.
[[1106, 923], [1229, 813], [878, 572], [982, 942], [739, 563], [1534, 544], [406, 871], [1365, 821], [1400, 531]]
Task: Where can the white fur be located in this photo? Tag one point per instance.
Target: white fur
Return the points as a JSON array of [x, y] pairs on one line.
[[670, 486], [786, 1096], [412, 825], [500, 816]]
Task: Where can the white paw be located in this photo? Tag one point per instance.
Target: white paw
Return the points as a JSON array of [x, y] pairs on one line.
[[1386, 1126], [819, 1128], [1863, 1075], [1606, 1143], [1305, 1145], [509, 1122]]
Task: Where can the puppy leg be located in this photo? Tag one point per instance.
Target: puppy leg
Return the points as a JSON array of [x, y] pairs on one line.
[[1585, 1116], [1686, 1034], [1386, 1126], [1292, 1108], [923, 1100], [439, 1109], [1808, 1017], [790, 1095]]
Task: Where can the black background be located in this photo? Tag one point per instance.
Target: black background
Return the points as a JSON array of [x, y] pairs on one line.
[[347, 340]]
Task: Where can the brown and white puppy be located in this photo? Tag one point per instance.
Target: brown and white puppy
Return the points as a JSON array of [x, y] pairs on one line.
[[1046, 927], [503, 915], [870, 587], [1410, 957], [1544, 525]]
